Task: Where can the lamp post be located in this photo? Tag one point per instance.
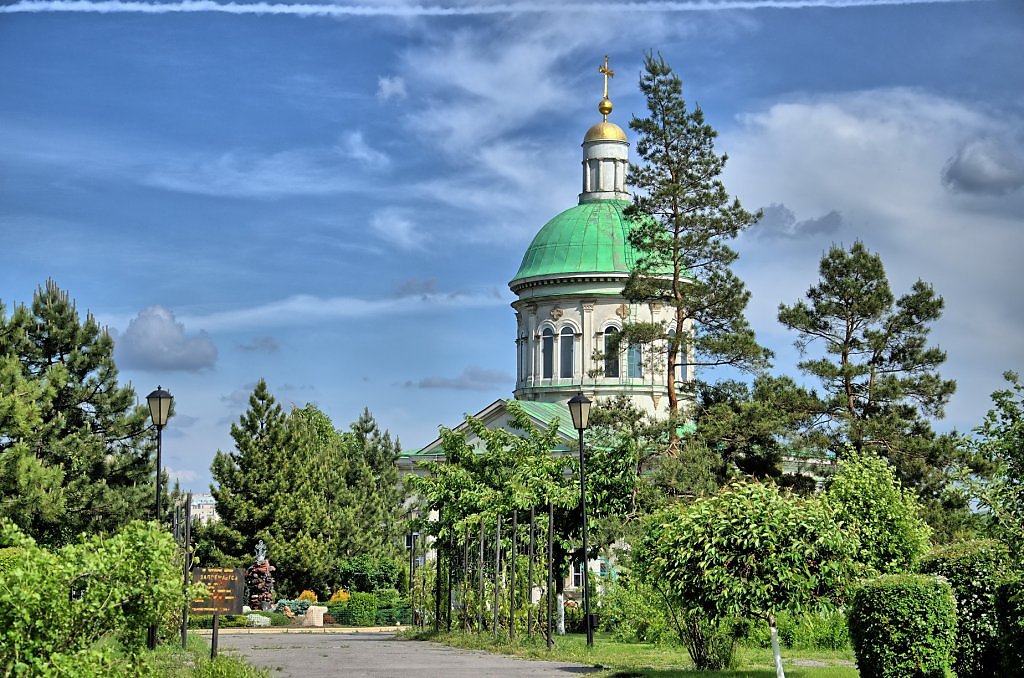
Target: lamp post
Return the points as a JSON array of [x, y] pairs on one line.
[[159, 402], [579, 408]]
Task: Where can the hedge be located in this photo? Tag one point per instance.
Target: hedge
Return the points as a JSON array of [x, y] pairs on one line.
[[903, 626], [1009, 603], [230, 621], [973, 569]]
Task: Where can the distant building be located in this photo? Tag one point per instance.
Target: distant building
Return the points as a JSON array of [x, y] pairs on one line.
[[204, 508]]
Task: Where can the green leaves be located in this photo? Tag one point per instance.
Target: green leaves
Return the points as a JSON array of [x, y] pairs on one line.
[[748, 551]]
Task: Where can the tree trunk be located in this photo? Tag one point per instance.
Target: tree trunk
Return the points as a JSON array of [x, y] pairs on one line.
[[560, 604], [779, 673]]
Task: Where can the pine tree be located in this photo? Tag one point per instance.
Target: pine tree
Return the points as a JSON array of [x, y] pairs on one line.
[[247, 481], [880, 379], [76, 444], [682, 220]]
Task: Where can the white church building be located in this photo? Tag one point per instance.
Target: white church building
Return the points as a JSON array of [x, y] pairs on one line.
[[569, 302]]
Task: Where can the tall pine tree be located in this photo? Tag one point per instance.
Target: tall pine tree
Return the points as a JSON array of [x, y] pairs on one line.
[[881, 386], [76, 448], [683, 218]]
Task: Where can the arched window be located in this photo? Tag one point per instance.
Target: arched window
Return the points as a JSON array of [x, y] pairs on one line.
[[566, 342], [634, 362], [611, 355], [547, 349]]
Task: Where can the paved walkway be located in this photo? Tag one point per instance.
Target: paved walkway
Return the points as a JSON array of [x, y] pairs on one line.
[[316, 655]]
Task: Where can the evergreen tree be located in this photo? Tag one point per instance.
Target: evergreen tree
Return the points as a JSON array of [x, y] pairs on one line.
[[75, 447], [372, 460], [683, 218], [880, 379], [247, 481]]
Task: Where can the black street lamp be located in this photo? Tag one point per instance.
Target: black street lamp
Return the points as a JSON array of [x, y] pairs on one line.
[[159, 402], [159, 409], [579, 408]]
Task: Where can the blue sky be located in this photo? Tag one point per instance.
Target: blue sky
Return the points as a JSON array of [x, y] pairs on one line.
[[334, 196]]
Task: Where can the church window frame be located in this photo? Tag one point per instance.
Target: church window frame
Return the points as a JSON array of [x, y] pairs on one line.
[[612, 358], [567, 352], [547, 352], [634, 362]]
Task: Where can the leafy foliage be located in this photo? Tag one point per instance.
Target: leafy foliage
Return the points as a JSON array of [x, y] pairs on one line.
[[1009, 602], [885, 517], [902, 626], [748, 552], [78, 606], [683, 218], [973, 569], [1000, 440], [75, 449]]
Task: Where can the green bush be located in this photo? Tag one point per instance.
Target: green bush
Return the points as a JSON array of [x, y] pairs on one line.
[[388, 598], [810, 631], [1009, 603], [87, 605], [973, 569], [9, 557], [234, 621], [362, 609], [367, 573], [634, 612], [903, 626]]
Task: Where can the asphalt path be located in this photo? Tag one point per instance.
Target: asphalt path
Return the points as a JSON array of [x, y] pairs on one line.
[[317, 655]]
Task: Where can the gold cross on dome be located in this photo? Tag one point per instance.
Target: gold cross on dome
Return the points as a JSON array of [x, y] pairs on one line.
[[608, 73]]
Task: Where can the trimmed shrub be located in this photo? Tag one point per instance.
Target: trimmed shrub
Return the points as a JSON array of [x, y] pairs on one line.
[[339, 596], [973, 568], [362, 609], [308, 595], [904, 626], [1009, 604]]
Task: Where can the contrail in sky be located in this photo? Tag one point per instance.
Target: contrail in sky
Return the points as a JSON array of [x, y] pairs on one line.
[[398, 10]]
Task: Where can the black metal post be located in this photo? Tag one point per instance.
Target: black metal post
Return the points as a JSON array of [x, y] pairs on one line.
[[151, 634], [497, 572], [437, 576], [465, 580], [529, 577], [551, 571], [586, 577], [480, 575], [448, 605], [187, 532], [512, 578]]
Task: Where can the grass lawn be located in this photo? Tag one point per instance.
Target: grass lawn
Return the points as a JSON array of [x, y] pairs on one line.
[[170, 661], [662, 661]]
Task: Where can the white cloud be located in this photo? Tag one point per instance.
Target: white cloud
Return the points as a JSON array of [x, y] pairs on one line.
[[985, 167], [471, 379], [305, 309], [353, 145], [877, 158], [182, 475], [391, 87], [154, 340], [393, 225]]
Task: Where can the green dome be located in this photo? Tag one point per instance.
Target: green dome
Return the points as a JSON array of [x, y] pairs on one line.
[[589, 238]]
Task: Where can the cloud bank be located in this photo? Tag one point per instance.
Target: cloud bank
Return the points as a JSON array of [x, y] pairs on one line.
[[426, 10]]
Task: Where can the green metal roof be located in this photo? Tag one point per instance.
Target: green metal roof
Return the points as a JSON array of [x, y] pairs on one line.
[[547, 412], [589, 238]]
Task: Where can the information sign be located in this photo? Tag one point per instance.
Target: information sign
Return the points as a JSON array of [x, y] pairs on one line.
[[226, 586]]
